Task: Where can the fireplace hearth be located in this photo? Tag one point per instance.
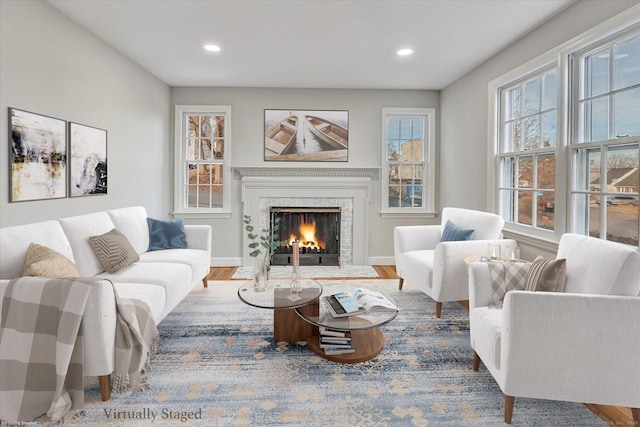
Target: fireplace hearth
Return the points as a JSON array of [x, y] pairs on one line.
[[316, 229]]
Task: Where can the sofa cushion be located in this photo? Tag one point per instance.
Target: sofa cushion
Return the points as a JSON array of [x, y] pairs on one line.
[[453, 233], [152, 295], [174, 278], [15, 241], [113, 250], [197, 259], [78, 229], [546, 275], [132, 222], [166, 234], [45, 262]]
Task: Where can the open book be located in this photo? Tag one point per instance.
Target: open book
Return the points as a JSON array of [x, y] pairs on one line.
[[342, 304]]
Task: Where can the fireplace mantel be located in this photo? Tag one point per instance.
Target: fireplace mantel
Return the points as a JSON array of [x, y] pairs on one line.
[[348, 189], [370, 173]]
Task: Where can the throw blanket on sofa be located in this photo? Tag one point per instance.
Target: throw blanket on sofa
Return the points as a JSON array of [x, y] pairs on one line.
[[41, 345]]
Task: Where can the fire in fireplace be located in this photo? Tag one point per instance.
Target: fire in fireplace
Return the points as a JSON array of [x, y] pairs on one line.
[[316, 229]]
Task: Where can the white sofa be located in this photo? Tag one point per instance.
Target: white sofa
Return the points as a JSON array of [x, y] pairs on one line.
[[582, 345], [438, 268], [160, 278]]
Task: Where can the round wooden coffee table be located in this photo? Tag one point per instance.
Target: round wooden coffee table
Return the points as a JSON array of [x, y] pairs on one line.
[[366, 335], [287, 325]]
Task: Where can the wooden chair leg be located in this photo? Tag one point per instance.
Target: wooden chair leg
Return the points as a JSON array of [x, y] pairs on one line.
[[105, 387], [636, 416], [438, 309], [400, 283], [204, 282], [476, 362], [508, 408]]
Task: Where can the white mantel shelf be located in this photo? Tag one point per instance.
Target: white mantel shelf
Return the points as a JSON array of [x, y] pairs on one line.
[[371, 173]]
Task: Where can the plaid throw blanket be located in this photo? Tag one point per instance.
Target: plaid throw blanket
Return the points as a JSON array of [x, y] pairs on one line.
[[41, 346]]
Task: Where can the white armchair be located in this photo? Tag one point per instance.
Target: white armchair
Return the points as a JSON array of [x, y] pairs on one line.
[[438, 268], [582, 345]]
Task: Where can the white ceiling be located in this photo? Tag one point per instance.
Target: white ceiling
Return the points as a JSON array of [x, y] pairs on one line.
[[310, 43]]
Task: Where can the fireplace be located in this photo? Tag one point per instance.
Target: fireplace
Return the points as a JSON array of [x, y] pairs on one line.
[[349, 189], [316, 229]]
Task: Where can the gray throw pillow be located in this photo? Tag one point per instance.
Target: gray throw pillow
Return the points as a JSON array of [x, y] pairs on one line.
[[546, 275], [114, 251], [166, 234]]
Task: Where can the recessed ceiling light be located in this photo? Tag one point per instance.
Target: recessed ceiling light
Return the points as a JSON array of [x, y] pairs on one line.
[[405, 52], [212, 48]]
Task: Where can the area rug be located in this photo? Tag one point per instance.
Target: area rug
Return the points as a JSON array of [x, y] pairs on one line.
[[218, 365], [314, 271]]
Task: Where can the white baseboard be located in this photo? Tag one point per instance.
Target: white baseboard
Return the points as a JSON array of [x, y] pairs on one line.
[[237, 261], [226, 262], [381, 260]]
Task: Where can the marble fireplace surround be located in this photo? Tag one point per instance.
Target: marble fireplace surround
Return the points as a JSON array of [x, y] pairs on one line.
[[346, 188]]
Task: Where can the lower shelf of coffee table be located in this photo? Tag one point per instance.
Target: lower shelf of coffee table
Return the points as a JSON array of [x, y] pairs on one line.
[[368, 343]]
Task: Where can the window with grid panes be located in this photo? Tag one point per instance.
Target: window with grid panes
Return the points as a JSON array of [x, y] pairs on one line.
[[605, 146], [202, 147], [528, 141], [408, 172]]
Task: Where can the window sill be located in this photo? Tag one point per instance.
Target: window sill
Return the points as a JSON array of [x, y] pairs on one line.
[[543, 243], [407, 215], [215, 215]]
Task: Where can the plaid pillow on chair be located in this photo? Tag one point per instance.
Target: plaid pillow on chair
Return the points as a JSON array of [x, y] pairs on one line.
[[507, 276]]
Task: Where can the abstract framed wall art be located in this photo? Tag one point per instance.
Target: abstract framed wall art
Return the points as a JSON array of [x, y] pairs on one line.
[[88, 167], [38, 156], [306, 135]]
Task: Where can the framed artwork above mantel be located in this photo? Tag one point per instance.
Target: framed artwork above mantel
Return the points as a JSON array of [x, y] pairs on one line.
[[306, 135]]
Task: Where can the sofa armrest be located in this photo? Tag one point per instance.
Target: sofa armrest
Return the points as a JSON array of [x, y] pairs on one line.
[[198, 237], [480, 289], [408, 238], [586, 345], [450, 277], [99, 329]]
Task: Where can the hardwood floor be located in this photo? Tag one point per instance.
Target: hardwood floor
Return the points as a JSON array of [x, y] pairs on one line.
[[612, 415]]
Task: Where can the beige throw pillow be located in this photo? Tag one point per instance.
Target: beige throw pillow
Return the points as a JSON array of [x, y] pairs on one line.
[[546, 275], [45, 262], [114, 251]]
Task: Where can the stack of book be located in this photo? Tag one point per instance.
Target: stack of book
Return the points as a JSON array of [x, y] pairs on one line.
[[336, 342]]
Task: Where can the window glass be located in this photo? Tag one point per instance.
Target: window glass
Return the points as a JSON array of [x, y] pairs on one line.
[[626, 64], [201, 169], [408, 149]]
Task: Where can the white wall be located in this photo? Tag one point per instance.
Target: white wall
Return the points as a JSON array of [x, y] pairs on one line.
[[365, 129], [51, 66], [463, 159]]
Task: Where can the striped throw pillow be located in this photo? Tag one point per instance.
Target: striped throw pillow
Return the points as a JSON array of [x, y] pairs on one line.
[[546, 275]]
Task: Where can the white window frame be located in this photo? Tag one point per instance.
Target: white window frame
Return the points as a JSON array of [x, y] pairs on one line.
[[180, 210], [534, 154], [560, 55], [429, 172], [578, 145]]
